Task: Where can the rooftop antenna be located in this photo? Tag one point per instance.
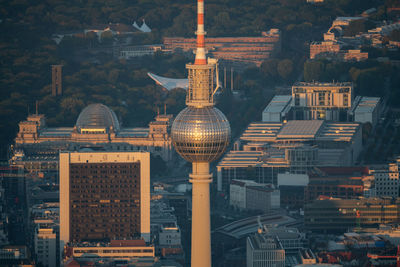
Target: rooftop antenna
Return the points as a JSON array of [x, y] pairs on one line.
[[201, 44], [37, 107]]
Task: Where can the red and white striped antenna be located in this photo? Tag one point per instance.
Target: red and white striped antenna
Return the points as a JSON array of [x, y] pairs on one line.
[[201, 44]]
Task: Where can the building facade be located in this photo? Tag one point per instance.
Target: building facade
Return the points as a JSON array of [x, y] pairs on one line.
[[325, 47], [340, 215], [266, 149], [264, 251], [245, 194], [323, 101], [263, 198], [104, 196], [37, 145], [278, 109], [116, 249], [337, 182], [387, 180], [46, 245], [326, 101], [244, 50]]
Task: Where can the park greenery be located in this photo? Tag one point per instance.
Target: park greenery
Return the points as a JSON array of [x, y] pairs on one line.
[[90, 74]]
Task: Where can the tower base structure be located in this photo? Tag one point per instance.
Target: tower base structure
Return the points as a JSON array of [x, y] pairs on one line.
[[201, 237]]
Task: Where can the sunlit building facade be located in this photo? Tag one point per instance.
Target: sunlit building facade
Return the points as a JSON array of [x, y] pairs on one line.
[[327, 101], [37, 145], [104, 196]]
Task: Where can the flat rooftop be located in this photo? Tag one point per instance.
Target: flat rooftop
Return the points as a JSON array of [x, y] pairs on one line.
[[241, 228], [279, 103], [300, 129], [367, 104], [321, 84]]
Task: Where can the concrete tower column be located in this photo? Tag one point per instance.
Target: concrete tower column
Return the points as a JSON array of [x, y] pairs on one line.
[[201, 239]]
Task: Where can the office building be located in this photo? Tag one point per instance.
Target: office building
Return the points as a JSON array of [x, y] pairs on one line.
[[37, 145], [266, 149], [16, 256], [324, 48], [116, 249], [169, 235], [128, 52], [104, 196], [244, 51], [45, 239], [387, 180], [322, 101], [340, 215], [366, 109], [45, 217], [245, 194], [264, 250], [339, 182], [277, 109]]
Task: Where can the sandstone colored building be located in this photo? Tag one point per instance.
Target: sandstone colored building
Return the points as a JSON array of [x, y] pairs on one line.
[[37, 145]]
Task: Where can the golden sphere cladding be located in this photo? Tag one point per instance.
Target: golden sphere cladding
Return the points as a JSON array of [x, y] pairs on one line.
[[200, 134]]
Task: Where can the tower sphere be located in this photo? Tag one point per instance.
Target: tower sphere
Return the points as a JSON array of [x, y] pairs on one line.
[[200, 134]]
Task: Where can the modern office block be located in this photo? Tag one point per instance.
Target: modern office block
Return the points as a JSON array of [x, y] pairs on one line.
[[104, 196]]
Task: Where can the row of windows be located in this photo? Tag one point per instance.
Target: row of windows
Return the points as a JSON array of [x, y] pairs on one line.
[[114, 251]]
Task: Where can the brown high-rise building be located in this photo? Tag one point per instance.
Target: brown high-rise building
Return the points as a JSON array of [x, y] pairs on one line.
[[104, 196], [56, 80]]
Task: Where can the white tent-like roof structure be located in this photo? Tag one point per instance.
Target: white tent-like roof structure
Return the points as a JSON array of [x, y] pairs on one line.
[[169, 83], [143, 28]]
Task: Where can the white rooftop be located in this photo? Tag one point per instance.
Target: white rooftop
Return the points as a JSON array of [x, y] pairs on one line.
[[169, 83], [279, 103]]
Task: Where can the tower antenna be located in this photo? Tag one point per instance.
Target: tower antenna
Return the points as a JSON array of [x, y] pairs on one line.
[[201, 44]]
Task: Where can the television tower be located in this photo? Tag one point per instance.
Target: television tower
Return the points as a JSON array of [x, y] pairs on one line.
[[200, 134]]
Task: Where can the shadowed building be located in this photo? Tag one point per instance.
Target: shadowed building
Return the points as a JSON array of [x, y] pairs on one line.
[[264, 250], [339, 215]]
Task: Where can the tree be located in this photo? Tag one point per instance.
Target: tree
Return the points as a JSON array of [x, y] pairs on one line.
[[157, 165], [395, 35], [270, 67], [313, 70], [285, 68]]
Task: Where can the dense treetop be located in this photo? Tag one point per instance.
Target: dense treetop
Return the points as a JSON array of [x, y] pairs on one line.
[[27, 53]]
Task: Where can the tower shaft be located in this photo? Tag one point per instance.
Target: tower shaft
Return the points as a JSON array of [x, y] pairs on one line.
[[201, 237]]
